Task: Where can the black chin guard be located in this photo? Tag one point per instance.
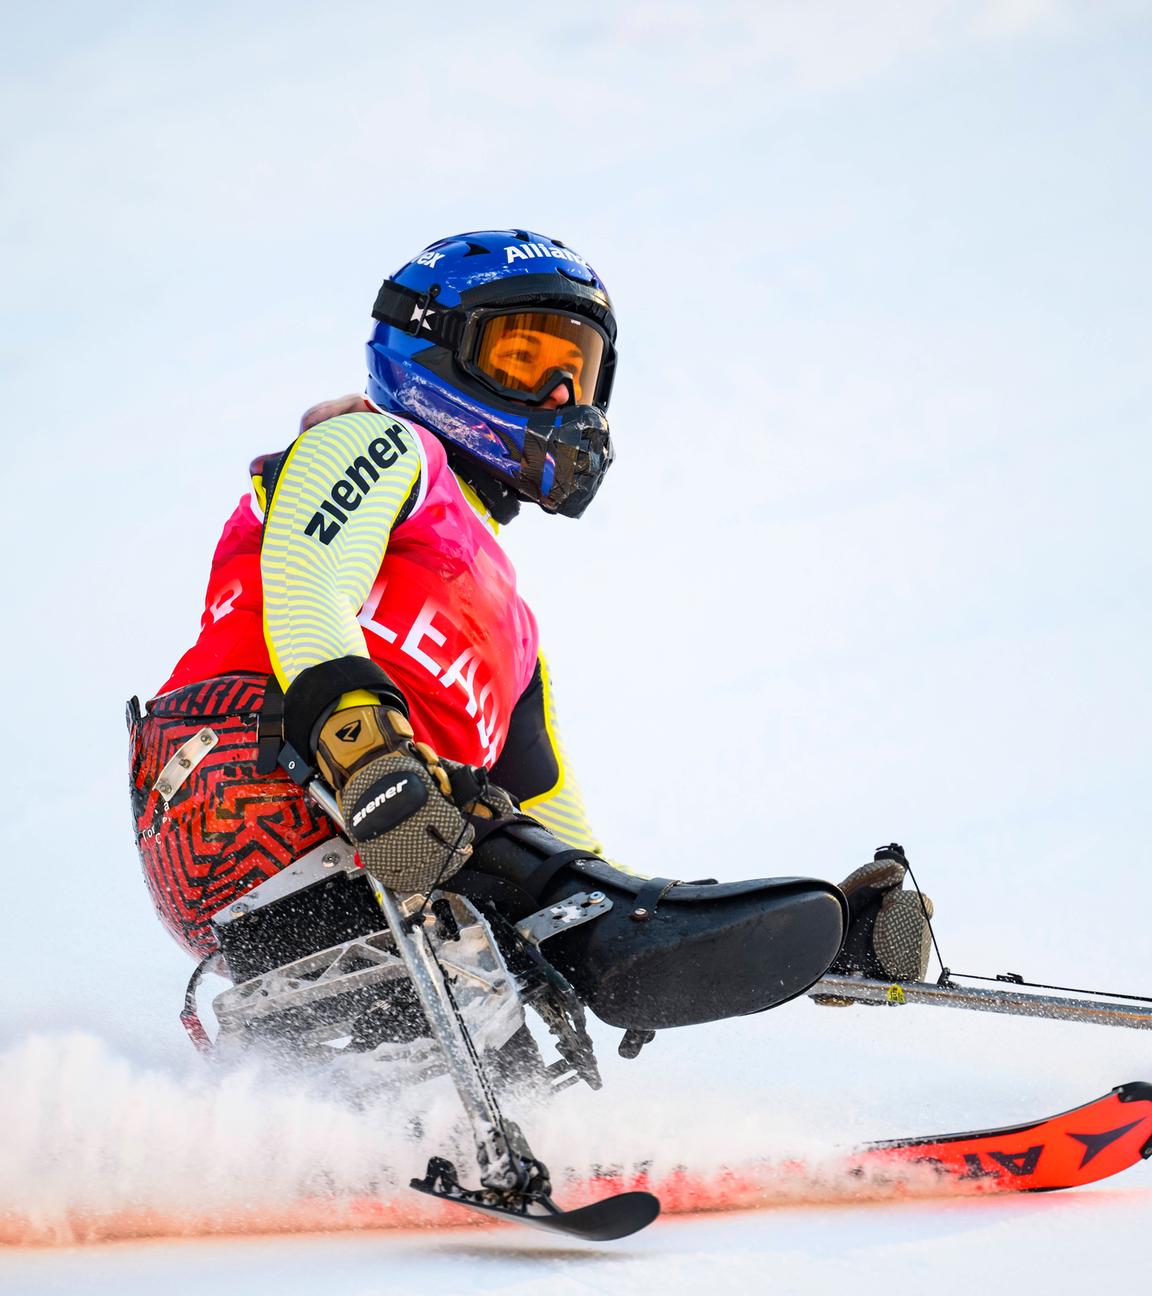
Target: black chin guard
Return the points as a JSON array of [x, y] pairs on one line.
[[580, 446]]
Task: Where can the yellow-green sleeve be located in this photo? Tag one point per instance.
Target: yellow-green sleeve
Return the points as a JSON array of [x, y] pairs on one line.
[[337, 496]]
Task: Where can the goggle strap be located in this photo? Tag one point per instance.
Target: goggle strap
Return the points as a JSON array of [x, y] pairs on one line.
[[418, 315]]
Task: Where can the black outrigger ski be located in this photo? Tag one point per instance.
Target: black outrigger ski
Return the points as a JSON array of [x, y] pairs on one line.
[[602, 1221]]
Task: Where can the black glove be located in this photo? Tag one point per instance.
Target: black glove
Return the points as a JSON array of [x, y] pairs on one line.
[[888, 934]]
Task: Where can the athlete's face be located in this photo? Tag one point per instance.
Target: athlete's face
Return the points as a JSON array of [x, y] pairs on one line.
[[526, 355]]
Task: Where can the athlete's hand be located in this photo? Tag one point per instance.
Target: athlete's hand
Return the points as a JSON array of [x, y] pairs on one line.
[[395, 796], [475, 795], [889, 937]]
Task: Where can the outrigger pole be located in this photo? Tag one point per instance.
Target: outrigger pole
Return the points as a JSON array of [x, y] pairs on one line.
[[1135, 1014]]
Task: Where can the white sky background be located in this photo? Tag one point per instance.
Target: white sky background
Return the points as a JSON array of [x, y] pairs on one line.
[[873, 562]]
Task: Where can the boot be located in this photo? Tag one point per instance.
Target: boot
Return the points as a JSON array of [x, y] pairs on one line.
[[667, 953]]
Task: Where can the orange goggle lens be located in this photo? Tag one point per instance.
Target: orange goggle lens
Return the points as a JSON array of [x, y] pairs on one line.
[[522, 352]]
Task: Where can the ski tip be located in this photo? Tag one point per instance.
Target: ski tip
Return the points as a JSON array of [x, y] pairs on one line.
[[607, 1220], [1134, 1091]]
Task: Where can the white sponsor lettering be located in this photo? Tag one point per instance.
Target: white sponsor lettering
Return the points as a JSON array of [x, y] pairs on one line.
[[462, 671], [526, 251], [367, 617], [377, 802], [225, 600], [429, 258], [487, 735], [422, 628]]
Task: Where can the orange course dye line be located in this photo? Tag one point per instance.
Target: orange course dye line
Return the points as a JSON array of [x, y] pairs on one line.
[[1078, 1147]]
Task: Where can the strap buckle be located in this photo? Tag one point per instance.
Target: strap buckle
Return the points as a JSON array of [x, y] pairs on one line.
[[419, 313]]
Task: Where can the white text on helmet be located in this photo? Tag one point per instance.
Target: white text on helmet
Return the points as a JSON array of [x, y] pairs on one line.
[[526, 251], [428, 258]]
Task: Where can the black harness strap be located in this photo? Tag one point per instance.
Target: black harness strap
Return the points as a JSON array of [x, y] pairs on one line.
[[270, 727], [649, 896], [558, 861]]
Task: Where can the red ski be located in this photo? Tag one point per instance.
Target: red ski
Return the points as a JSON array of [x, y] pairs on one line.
[[1077, 1147]]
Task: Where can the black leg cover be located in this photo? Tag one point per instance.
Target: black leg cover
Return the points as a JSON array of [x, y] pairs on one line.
[[667, 953]]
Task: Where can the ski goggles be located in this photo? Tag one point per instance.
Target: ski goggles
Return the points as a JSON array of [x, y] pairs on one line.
[[526, 354]]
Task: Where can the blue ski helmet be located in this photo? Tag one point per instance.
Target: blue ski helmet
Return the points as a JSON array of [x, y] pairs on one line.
[[472, 339]]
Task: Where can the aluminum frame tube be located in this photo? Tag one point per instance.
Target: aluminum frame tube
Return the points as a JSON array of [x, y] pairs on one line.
[[1017, 1003]]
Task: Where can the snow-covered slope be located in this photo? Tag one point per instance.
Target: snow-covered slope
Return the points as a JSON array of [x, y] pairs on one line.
[[1061, 1245]]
